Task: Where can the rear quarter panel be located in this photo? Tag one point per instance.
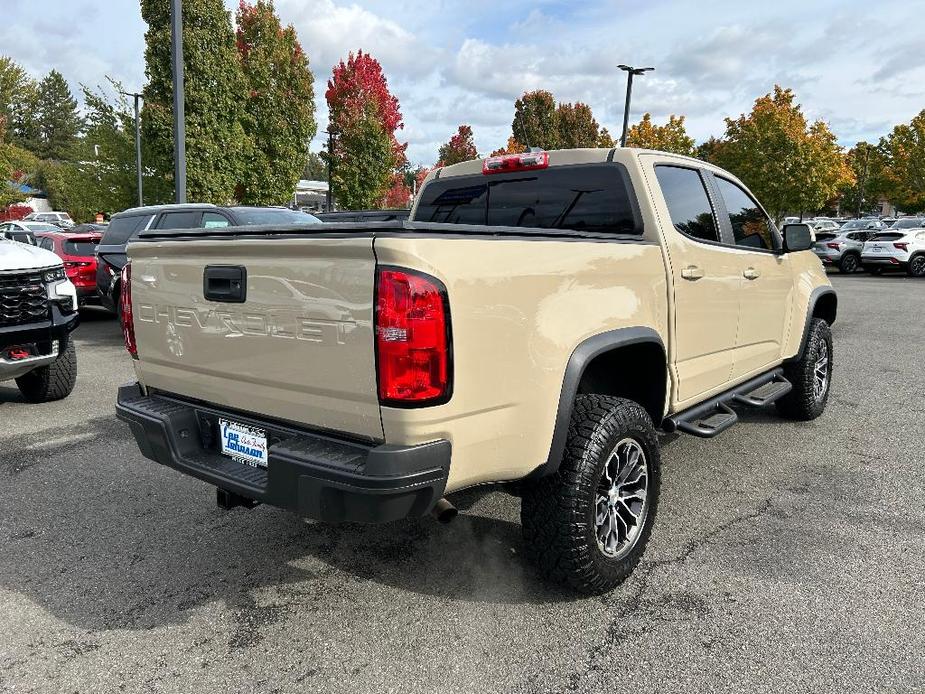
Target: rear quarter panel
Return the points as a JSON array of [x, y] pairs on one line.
[[519, 307]]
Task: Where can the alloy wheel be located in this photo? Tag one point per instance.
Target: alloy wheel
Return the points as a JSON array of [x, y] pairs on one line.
[[821, 373], [621, 503]]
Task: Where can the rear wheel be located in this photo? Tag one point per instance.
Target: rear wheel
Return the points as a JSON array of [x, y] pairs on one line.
[[811, 376], [917, 266], [52, 382], [849, 263], [587, 525]]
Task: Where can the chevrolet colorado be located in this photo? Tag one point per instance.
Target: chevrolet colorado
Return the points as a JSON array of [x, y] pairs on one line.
[[536, 322], [38, 311]]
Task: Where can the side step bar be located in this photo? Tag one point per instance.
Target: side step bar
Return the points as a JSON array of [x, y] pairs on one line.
[[715, 415]]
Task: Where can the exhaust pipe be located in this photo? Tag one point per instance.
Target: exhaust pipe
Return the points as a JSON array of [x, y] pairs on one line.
[[444, 511]]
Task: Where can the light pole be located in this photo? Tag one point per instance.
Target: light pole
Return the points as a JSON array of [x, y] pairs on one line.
[[329, 198], [179, 106], [630, 73], [137, 97]]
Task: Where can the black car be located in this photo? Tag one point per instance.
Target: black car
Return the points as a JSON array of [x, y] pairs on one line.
[[110, 254], [364, 216]]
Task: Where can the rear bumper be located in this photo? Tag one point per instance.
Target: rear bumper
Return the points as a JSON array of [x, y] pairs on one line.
[[884, 261], [314, 475]]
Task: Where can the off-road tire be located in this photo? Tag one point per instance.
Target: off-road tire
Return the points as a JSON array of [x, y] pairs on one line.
[[52, 382], [849, 264], [801, 403], [558, 511]]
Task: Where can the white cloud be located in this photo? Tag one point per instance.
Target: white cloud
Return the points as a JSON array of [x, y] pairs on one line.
[[449, 62]]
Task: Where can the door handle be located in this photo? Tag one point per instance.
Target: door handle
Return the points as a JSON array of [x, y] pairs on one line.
[[692, 272], [225, 283], [751, 274]]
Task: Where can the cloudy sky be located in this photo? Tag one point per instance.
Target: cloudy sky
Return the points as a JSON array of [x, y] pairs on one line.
[[858, 64]]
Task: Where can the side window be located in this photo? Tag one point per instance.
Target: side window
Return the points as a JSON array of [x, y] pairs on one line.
[[688, 203], [121, 228], [47, 244], [213, 220], [180, 220], [750, 225]]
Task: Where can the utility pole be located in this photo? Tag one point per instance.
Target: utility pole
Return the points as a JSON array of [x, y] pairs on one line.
[[862, 184], [329, 198], [137, 97], [630, 73], [179, 94]]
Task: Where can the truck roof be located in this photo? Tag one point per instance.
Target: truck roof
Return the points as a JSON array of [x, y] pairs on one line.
[[563, 157]]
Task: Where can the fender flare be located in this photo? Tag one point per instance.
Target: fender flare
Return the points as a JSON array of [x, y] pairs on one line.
[[583, 354], [817, 294]]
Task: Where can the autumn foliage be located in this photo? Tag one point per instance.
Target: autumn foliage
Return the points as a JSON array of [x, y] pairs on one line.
[[461, 147], [671, 137], [363, 118]]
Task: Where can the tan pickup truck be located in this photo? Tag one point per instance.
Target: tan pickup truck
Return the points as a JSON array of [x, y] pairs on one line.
[[538, 321]]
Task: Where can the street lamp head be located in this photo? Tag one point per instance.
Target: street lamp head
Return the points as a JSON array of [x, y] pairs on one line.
[[635, 70]]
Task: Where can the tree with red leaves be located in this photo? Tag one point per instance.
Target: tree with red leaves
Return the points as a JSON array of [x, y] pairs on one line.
[[461, 147], [279, 106], [363, 118]]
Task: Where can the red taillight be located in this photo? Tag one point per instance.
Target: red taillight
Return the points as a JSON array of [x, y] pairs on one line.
[[528, 161], [128, 321], [412, 338], [834, 246], [902, 245]]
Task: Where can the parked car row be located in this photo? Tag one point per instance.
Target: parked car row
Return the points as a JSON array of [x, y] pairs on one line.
[[869, 245]]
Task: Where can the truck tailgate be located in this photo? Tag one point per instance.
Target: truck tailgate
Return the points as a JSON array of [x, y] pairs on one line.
[[299, 347]]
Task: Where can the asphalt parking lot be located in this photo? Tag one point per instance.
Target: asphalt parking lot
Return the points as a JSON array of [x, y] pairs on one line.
[[786, 557]]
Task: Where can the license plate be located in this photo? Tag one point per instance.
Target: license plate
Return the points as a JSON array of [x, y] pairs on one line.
[[245, 444], [877, 249]]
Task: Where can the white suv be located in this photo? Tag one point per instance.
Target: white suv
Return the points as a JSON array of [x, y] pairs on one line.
[[60, 219], [901, 247]]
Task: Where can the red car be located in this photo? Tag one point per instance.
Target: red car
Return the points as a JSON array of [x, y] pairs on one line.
[[77, 248]]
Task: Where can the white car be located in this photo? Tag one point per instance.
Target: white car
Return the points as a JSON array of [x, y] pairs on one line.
[[38, 311], [901, 247], [59, 219], [819, 225], [24, 231]]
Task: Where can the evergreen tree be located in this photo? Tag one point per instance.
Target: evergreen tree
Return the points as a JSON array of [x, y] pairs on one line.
[[57, 119], [216, 143]]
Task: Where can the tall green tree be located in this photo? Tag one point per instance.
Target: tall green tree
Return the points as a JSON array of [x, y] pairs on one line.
[[16, 88], [904, 148], [58, 121], [102, 176], [279, 110], [364, 117], [316, 168], [671, 137], [577, 127], [216, 143], [536, 122], [459, 148], [791, 166]]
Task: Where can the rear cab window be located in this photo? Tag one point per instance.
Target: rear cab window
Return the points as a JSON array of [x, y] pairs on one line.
[[595, 199], [87, 248]]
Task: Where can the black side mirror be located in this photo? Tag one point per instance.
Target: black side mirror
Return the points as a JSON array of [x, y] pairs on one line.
[[797, 237]]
